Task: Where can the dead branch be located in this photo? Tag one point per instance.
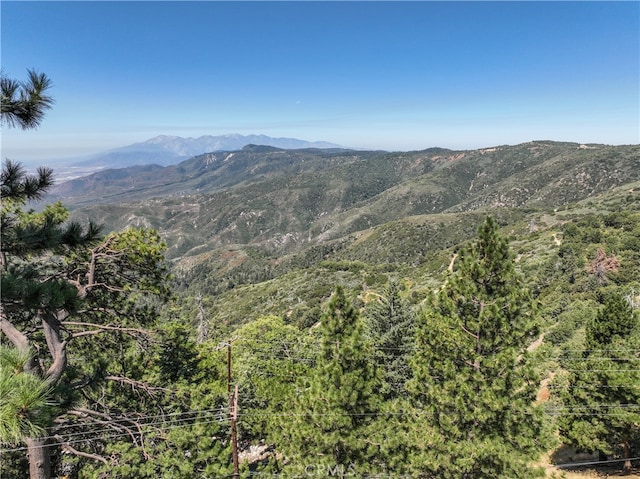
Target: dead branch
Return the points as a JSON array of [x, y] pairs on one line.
[[65, 446], [475, 336], [144, 449], [84, 412], [98, 328], [108, 421], [137, 384]]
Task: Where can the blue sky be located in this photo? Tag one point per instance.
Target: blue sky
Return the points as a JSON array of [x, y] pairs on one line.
[[388, 75]]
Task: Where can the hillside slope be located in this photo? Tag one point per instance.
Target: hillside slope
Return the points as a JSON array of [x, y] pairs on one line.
[[270, 233], [284, 201]]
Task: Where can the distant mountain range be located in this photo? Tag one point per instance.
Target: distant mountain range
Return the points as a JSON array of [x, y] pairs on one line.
[[168, 150]]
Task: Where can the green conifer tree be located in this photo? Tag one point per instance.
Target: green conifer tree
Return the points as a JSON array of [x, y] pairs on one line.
[[268, 356], [390, 323], [326, 434], [62, 287], [25, 399], [472, 374], [23, 104], [602, 401], [614, 319]]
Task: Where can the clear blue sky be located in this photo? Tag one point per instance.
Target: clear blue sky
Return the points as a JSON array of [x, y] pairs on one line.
[[389, 75]]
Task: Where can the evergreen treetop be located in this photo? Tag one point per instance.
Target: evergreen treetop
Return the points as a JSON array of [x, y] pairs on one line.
[[472, 375], [601, 403], [338, 399]]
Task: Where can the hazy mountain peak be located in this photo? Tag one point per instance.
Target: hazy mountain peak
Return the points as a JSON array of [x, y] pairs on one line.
[[168, 150], [160, 139]]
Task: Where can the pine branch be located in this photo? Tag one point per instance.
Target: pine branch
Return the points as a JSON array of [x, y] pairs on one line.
[[17, 338], [57, 346]]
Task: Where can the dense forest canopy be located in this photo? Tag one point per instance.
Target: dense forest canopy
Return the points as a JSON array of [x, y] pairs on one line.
[[175, 383]]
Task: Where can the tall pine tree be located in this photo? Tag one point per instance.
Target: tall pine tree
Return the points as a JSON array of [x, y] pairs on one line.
[[63, 287], [602, 401], [326, 433], [390, 323], [472, 374]]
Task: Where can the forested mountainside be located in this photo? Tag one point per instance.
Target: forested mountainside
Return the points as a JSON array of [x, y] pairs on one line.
[[284, 200], [264, 217], [429, 314]]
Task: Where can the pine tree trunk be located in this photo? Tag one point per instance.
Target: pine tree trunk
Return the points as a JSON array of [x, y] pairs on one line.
[[39, 461], [627, 458]]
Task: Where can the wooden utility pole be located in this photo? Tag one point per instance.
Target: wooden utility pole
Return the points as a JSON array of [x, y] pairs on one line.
[[234, 435], [229, 369], [233, 409]]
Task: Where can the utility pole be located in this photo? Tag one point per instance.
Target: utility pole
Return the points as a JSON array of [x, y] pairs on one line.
[[234, 435], [229, 369], [233, 409]]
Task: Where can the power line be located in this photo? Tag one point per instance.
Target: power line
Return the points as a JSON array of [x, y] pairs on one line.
[[110, 436], [592, 463], [152, 416], [88, 436], [121, 422]]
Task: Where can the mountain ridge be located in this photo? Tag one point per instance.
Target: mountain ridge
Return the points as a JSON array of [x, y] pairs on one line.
[[168, 149], [285, 200]]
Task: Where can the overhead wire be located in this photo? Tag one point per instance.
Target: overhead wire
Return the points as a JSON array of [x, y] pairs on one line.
[[592, 463], [85, 439], [156, 416], [193, 417]]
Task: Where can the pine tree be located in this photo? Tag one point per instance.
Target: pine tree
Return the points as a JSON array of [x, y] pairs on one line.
[[26, 238], [179, 390], [602, 401], [62, 285], [268, 356], [472, 374], [614, 319], [327, 431], [23, 104], [25, 399], [390, 323]]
